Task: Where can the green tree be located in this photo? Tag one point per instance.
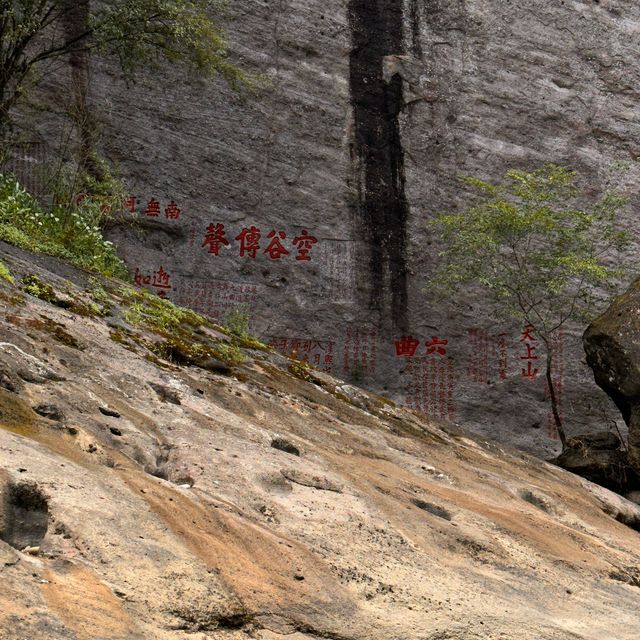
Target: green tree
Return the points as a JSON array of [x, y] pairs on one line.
[[541, 256], [137, 33]]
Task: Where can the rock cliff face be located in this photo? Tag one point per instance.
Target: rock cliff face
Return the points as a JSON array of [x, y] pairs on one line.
[[372, 112], [141, 498], [613, 352]]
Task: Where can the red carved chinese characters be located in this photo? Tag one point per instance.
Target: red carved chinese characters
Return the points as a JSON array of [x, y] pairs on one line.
[[480, 344], [214, 238], [141, 279], [304, 243], [160, 280], [319, 353], [435, 345], [406, 346], [215, 298], [249, 242], [172, 212], [527, 337], [153, 208], [431, 380], [431, 386], [487, 356], [276, 249], [360, 352], [130, 204]]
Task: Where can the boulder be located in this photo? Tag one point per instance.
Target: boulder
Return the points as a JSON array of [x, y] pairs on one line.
[[612, 345], [608, 468], [602, 440]]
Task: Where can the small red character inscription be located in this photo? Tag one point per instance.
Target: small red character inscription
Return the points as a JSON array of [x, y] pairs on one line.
[[436, 346], [141, 279], [276, 249], [530, 372], [305, 242], [214, 238], [153, 208], [130, 204], [406, 346], [161, 279], [527, 334], [172, 212], [249, 242]]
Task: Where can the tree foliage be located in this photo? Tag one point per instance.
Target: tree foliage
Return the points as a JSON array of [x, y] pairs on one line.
[[137, 33], [542, 257]]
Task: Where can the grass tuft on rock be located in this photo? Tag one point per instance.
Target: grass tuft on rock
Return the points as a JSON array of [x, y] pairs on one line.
[[5, 274], [68, 231]]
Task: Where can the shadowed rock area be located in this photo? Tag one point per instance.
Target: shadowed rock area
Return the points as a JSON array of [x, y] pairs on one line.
[[189, 524], [613, 352], [23, 515]]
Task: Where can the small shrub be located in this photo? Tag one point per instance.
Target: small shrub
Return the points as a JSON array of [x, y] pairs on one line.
[[229, 353], [236, 322], [544, 252], [68, 231], [97, 292], [236, 325]]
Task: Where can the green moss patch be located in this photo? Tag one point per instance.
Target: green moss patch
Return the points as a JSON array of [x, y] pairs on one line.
[[5, 274]]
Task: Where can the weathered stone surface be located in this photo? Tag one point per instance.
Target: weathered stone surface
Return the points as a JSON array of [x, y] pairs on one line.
[[435, 534], [612, 345], [372, 112]]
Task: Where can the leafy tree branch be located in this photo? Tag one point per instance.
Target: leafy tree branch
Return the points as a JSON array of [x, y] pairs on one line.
[[137, 33], [542, 257]]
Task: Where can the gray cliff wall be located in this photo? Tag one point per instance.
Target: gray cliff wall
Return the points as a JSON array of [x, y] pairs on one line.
[[373, 110]]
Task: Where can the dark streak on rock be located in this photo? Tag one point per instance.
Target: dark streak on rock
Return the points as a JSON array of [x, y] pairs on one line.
[[416, 45], [433, 509], [376, 32]]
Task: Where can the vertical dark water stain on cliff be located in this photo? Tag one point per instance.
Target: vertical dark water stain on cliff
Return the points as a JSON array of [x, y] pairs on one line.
[[376, 32], [416, 45]]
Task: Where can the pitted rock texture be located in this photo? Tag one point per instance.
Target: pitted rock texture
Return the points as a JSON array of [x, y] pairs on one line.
[[191, 525], [372, 111]]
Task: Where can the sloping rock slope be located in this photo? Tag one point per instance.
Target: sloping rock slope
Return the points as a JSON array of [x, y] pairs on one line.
[[142, 498]]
